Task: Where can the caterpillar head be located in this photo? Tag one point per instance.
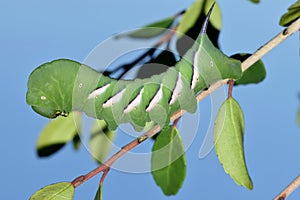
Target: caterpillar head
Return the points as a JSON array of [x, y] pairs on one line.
[[50, 88]]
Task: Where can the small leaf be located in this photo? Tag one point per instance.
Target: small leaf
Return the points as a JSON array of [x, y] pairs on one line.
[[76, 142], [292, 14], [255, 1], [255, 74], [168, 164], [229, 138], [295, 5], [298, 118], [151, 30], [57, 191], [98, 195], [101, 140], [57, 133]]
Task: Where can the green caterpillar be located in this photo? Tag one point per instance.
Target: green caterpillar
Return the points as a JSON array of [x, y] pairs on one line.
[[58, 87]]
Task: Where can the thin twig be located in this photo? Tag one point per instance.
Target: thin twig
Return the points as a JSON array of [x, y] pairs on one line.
[[81, 179], [179, 13], [272, 44], [289, 189], [245, 65], [126, 67]]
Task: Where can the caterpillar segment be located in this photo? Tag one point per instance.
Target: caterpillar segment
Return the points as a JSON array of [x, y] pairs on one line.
[[142, 100]]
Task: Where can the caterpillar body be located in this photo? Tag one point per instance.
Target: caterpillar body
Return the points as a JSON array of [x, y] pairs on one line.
[[136, 101]]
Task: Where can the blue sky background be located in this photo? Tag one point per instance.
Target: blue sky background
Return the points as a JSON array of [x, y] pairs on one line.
[[34, 32]]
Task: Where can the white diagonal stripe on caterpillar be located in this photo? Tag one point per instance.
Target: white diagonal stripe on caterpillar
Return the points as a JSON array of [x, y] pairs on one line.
[[195, 78], [177, 89], [157, 97], [134, 103], [114, 99], [98, 91]]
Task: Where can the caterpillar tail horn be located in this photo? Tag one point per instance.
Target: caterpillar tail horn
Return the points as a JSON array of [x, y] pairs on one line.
[[206, 21]]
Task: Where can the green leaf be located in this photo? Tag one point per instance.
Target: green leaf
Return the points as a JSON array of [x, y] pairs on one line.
[[191, 16], [229, 138], [98, 195], [292, 15], [255, 1], [76, 142], [255, 74], [295, 5], [151, 30], [101, 140], [298, 118], [168, 162], [57, 133], [57, 191]]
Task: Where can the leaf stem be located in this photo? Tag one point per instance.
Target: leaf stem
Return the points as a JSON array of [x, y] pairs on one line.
[[176, 122], [289, 189], [230, 83], [245, 65], [105, 172]]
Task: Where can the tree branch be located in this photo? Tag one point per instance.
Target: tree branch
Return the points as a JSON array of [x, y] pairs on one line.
[[289, 189], [245, 65], [294, 27]]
